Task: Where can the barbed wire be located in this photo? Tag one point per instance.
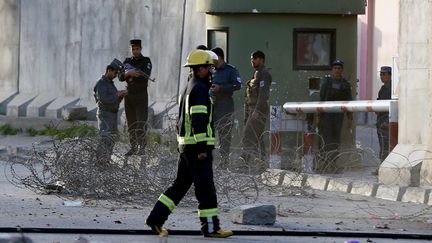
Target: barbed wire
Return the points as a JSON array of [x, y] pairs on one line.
[[69, 169]]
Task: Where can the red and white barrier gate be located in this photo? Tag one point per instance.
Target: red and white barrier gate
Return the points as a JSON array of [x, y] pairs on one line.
[[293, 119]]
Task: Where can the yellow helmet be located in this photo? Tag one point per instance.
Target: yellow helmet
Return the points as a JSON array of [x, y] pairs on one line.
[[199, 57]]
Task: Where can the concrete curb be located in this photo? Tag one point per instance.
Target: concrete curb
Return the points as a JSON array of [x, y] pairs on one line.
[[286, 178]]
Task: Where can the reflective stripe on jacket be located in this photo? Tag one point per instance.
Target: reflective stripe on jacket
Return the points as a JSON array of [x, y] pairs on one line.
[[195, 122]]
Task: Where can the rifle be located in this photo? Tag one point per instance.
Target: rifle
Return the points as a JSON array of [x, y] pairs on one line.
[[130, 67]]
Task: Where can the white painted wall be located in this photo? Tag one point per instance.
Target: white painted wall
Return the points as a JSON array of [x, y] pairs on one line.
[[377, 42], [385, 39]]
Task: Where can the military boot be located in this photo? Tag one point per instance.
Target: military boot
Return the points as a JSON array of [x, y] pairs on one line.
[[210, 228]]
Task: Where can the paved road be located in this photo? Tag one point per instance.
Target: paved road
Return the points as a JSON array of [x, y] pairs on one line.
[[317, 211], [39, 238]]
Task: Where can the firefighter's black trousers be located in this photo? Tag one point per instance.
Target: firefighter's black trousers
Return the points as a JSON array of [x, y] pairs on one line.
[[190, 170]]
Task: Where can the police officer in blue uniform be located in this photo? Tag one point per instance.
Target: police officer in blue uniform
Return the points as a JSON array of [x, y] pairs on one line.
[[108, 101], [196, 142], [333, 88], [226, 79], [383, 117], [136, 103]]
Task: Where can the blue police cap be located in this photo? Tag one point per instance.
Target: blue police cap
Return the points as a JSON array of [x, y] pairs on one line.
[[385, 69], [337, 62], [116, 64], [135, 42]]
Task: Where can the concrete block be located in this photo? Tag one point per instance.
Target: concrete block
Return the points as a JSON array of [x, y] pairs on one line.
[[254, 214], [54, 109], [294, 179], [402, 166], [273, 177], [318, 182], [416, 195], [18, 105], [393, 193], [364, 188], [5, 98], [38, 106], [339, 185], [73, 113], [91, 108]]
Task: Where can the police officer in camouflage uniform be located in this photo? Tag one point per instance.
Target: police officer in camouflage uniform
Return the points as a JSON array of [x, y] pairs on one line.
[[333, 88], [225, 80], [256, 111], [383, 117], [108, 101], [136, 103]]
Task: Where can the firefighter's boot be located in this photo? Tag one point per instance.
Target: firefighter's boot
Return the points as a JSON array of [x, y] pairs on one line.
[[157, 218], [159, 230], [210, 228]]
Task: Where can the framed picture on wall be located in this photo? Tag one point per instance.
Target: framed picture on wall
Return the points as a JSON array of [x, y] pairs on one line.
[[314, 49]]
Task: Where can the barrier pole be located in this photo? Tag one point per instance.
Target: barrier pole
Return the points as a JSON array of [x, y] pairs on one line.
[[393, 125]]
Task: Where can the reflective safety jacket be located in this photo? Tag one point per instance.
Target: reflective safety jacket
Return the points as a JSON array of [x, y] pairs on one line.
[[195, 121]]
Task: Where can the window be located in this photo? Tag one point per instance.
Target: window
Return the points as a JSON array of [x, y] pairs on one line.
[[314, 49], [218, 38]]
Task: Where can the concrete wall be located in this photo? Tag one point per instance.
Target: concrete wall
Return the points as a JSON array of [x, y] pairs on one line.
[[63, 46], [415, 95], [415, 66], [9, 45]]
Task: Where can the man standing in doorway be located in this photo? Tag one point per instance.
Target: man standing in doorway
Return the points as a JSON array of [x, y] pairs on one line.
[[136, 74], [383, 117], [225, 80], [256, 113], [333, 88]]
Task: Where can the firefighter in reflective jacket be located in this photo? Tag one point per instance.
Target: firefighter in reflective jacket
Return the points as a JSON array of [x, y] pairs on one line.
[[196, 140]]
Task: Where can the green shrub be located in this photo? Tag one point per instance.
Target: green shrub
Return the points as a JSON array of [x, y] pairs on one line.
[[7, 129], [32, 132], [81, 130]]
